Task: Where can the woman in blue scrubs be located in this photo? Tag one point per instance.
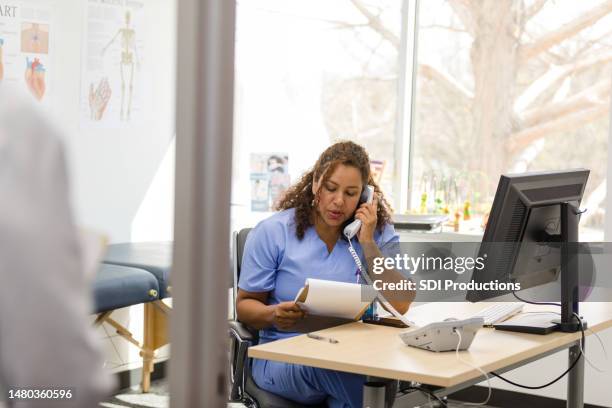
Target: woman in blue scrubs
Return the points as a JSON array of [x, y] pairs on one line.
[[302, 241]]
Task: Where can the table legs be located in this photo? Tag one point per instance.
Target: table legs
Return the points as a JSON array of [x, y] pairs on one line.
[[374, 394], [575, 380], [374, 388]]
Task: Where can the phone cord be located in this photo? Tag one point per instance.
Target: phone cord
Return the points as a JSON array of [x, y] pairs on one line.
[[379, 296]]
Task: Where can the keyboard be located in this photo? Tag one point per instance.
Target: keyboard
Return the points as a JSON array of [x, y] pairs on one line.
[[499, 312]]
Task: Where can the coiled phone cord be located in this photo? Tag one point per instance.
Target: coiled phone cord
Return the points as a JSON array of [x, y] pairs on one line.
[[379, 296]]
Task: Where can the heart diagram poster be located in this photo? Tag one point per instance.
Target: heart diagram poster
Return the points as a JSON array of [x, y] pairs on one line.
[[26, 33]]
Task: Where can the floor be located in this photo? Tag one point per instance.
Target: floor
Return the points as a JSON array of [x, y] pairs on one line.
[[158, 397]]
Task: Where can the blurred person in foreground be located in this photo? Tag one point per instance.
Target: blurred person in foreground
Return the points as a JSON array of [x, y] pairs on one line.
[[46, 338]]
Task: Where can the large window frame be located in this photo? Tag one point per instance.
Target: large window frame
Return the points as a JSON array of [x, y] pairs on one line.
[[405, 129]]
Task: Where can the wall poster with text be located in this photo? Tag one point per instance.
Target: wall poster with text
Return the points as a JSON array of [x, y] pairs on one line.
[[115, 76], [25, 45]]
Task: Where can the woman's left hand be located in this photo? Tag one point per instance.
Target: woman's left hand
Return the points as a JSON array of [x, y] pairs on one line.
[[367, 214]]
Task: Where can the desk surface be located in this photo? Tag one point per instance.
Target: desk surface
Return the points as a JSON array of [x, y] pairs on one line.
[[378, 350]]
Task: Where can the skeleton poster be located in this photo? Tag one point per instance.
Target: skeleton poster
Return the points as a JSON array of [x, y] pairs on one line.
[[115, 82], [25, 47]]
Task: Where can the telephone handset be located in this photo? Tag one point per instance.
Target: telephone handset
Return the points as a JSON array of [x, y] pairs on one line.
[[350, 230], [367, 196]]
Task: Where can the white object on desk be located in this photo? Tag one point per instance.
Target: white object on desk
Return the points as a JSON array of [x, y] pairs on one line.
[[499, 312], [441, 336], [335, 299], [418, 222]]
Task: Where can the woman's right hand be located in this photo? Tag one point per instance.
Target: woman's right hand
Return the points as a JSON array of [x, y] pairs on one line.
[[287, 314]]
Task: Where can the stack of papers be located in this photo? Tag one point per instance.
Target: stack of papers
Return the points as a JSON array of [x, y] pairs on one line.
[[335, 299]]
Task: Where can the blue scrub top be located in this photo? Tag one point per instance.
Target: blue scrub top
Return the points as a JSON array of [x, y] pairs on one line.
[[276, 261]]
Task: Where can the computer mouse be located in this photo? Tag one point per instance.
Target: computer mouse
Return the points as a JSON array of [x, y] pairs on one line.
[[450, 319]]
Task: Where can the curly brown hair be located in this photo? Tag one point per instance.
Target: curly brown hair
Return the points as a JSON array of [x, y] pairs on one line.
[[300, 195]]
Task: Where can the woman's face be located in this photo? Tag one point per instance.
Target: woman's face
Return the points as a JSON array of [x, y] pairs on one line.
[[339, 195]]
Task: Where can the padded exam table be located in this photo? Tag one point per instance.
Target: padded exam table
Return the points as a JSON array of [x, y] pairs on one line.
[[131, 274], [153, 257]]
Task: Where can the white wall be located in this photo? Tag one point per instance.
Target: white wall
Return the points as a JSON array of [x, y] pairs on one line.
[[111, 170], [154, 220]]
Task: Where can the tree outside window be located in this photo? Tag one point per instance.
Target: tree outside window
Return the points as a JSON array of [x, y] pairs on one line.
[[510, 86]]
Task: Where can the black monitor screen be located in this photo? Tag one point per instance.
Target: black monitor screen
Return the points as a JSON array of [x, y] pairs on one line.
[[526, 209]]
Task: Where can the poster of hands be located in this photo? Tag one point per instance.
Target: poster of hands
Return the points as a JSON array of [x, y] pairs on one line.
[[114, 91], [25, 48]]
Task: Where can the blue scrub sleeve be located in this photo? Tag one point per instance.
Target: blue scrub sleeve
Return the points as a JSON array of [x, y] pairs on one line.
[[262, 254], [388, 242]]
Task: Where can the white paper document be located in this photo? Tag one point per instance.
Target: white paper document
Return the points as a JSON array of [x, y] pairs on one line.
[[335, 299]]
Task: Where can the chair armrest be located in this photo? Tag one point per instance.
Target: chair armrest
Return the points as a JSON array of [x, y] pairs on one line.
[[241, 332], [242, 338]]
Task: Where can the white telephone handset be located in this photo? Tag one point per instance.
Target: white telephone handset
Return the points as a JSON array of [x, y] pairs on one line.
[[349, 232], [353, 228]]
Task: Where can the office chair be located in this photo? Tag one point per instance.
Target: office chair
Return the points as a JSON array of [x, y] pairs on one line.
[[242, 387]]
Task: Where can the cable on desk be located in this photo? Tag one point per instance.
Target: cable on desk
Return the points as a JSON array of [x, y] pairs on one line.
[[582, 347], [429, 393], [535, 303], [589, 362], [486, 376], [602, 347]]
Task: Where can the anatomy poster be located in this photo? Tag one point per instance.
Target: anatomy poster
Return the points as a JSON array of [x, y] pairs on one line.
[[25, 47], [115, 86], [269, 179]]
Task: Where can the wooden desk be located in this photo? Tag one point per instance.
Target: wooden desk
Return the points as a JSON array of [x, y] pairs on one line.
[[378, 351]]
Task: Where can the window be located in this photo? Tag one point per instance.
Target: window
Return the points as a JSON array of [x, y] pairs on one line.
[[506, 87], [309, 73]]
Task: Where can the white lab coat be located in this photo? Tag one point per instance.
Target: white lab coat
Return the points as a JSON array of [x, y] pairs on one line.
[[46, 338]]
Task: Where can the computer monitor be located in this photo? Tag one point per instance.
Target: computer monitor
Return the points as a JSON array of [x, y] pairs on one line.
[[532, 215]]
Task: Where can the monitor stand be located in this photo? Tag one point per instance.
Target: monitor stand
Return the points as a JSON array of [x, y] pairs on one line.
[[537, 323], [540, 323]]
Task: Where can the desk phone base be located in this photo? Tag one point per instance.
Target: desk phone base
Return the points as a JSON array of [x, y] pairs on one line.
[[441, 336]]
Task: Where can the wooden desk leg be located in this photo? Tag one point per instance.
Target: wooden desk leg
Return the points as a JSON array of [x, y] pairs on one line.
[[575, 381]]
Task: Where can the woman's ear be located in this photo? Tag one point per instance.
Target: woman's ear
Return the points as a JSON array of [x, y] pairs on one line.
[[315, 187]]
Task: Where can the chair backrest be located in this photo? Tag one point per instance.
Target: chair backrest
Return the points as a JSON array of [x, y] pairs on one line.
[[240, 238]]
